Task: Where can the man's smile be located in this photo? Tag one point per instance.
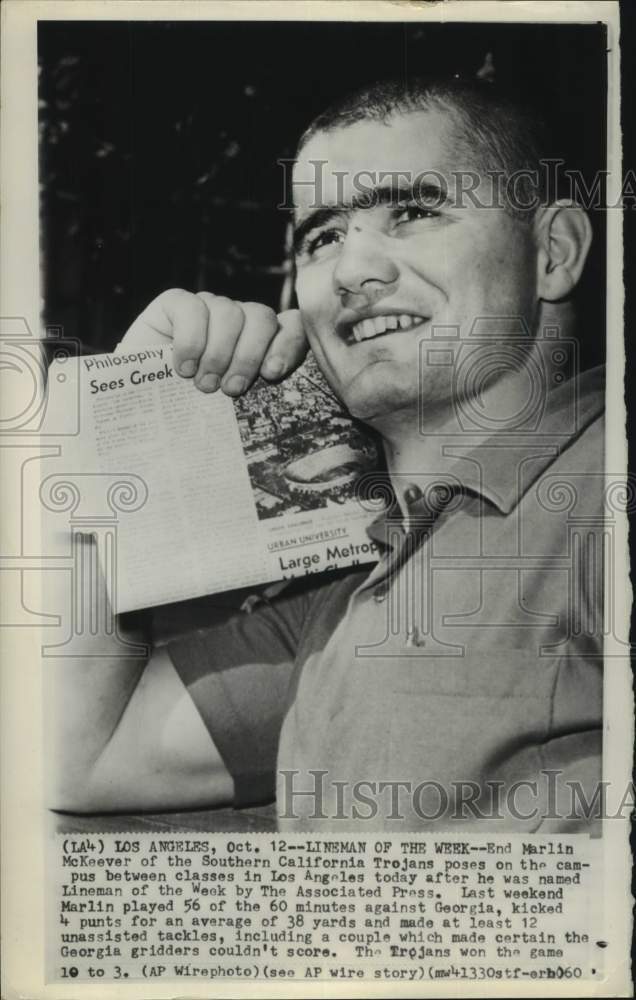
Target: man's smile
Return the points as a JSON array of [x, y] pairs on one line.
[[368, 325], [367, 328]]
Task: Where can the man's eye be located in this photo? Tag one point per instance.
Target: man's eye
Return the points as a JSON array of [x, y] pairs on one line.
[[412, 213], [323, 239]]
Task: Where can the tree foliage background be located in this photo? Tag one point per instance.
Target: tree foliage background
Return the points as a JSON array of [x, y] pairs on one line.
[[159, 145]]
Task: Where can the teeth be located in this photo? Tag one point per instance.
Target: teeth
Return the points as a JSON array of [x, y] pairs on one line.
[[368, 328], [379, 324]]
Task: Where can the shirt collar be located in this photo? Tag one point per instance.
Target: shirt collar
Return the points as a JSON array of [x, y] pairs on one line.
[[501, 467]]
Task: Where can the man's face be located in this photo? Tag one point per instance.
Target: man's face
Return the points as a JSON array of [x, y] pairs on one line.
[[373, 282]]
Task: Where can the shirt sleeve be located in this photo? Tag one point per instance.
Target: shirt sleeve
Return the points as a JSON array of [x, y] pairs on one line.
[[239, 675]]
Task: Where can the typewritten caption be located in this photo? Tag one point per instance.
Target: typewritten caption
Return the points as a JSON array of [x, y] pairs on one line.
[[393, 908]]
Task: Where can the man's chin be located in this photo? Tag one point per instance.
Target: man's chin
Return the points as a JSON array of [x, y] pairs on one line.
[[376, 395]]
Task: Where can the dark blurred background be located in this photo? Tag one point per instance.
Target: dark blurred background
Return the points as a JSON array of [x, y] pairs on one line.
[[160, 141]]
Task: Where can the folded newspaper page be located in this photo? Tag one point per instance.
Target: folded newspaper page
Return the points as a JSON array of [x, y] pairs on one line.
[[214, 494]]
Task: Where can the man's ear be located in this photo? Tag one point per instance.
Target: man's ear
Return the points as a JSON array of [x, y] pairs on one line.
[[563, 233]]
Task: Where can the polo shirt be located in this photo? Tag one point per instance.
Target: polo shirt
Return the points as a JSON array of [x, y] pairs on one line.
[[458, 679]]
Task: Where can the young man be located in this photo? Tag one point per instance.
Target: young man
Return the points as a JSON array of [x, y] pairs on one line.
[[460, 677]]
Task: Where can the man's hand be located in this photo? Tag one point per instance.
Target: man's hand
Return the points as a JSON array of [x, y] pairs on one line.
[[218, 342]]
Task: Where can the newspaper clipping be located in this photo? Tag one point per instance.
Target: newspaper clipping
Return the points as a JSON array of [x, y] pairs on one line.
[[314, 566], [275, 483]]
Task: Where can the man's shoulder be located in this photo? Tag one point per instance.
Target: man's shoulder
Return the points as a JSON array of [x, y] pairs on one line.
[[576, 482], [585, 447], [590, 388]]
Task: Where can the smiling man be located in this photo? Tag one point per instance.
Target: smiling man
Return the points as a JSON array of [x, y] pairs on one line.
[[460, 678]]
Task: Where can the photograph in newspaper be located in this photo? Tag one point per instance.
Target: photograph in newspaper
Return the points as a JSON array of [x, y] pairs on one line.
[[334, 540], [303, 451]]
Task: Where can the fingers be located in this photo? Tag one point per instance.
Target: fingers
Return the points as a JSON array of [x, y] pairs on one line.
[[261, 325], [218, 342], [238, 338], [188, 315], [154, 325], [225, 321], [288, 348]]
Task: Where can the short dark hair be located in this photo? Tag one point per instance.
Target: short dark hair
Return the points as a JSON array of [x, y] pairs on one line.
[[500, 131]]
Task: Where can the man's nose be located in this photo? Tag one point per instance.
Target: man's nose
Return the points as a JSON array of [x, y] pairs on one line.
[[365, 271]]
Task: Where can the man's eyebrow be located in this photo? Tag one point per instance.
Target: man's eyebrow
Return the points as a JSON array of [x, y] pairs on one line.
[[400, 192], [383, 194]]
